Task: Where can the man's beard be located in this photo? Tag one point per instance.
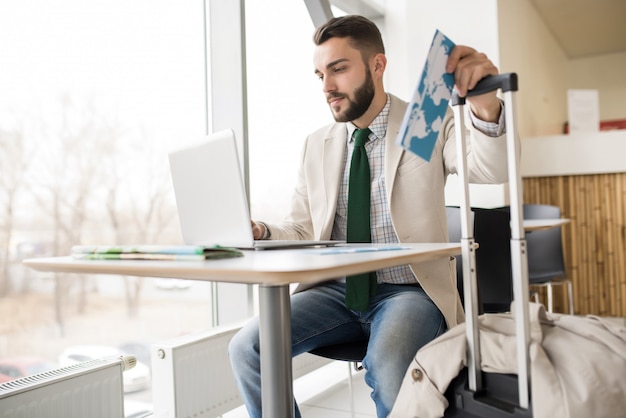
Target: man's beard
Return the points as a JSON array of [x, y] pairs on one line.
[[363, 97]]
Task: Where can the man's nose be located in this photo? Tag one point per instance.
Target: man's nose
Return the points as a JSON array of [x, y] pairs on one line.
[[328, 85]]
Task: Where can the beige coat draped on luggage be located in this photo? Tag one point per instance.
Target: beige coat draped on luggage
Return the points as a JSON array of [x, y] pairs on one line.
[[578, 365]]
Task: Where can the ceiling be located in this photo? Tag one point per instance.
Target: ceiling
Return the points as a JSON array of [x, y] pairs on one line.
[[585, 28]]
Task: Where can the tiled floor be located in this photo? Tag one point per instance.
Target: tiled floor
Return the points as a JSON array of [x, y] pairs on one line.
[[325, 393]]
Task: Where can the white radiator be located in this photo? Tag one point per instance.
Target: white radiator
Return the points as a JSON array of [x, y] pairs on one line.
[[191, 375], [91, 389]]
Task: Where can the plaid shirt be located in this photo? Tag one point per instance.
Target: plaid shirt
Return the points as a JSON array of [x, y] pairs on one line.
[[380, 216]]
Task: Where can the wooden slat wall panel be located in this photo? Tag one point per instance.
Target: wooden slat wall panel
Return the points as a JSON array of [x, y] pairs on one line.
[[594, 242]]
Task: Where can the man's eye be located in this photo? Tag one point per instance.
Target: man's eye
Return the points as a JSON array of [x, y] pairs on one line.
[[339, 69]]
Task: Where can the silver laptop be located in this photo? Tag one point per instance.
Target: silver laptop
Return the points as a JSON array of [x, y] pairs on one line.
[[211, 198]]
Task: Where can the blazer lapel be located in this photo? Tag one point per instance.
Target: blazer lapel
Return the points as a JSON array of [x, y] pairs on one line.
[[393, 152], [333, 160]]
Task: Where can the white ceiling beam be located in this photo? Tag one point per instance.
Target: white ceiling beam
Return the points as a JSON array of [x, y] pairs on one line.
[[371, 9], [319, 10]]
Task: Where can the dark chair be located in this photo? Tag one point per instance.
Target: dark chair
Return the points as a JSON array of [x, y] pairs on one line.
[[492, 233], [353, 351], [546, 263]]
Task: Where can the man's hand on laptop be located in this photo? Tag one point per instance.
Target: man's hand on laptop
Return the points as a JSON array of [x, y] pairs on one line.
[[259, 230]]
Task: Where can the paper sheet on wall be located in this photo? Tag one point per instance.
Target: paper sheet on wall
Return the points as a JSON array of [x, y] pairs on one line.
[[424, 115], [583, 111]]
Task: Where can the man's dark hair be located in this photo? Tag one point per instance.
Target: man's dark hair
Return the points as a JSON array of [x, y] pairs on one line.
[[362, 32]]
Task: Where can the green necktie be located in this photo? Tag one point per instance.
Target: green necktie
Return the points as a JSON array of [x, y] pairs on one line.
[[359, 287]]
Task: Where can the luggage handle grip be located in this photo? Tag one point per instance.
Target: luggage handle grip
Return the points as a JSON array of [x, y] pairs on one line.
[[505, 82]]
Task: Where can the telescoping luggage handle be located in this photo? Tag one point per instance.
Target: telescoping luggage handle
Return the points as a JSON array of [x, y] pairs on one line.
[[507, 83]]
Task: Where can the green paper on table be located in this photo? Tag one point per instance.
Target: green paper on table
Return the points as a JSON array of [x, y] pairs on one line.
[[153, 252]]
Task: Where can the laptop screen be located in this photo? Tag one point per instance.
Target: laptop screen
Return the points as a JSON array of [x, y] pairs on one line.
[[210, 193]]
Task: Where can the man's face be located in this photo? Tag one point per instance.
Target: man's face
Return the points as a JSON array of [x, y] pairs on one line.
[[347, 81]]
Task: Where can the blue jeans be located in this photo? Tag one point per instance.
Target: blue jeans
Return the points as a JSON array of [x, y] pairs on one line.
[[399, 321]]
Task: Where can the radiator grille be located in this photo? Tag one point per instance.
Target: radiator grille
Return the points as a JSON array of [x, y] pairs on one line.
[[91, 389], [191, 375]]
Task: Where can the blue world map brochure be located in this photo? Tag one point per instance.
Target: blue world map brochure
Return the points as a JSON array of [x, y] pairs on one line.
[[424, 115]]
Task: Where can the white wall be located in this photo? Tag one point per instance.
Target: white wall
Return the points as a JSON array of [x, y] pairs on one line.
[[410, 26], [546, 73], [606, 74], [528, 48]]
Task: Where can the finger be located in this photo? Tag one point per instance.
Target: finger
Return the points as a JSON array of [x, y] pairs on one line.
[[471, 69], [255, 229], [457, 53], [468, 76]]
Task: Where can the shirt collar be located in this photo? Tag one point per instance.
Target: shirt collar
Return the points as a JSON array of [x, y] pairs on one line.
[[378, 125]]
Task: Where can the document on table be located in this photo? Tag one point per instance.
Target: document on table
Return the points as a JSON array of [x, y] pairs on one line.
[[152, 252], [424, 115]]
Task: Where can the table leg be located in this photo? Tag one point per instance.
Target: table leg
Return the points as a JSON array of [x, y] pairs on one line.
[[275, 346]]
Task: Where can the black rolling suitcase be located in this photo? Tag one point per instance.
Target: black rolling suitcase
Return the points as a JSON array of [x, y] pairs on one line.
[[475, 393]]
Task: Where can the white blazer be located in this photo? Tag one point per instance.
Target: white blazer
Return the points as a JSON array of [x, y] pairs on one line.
[[415, 192]]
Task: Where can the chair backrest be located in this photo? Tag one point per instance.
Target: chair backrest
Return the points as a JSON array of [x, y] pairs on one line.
[[492, 232], [545, 247]]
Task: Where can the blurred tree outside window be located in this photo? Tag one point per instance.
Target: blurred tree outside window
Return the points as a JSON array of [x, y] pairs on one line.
[[93, 95]]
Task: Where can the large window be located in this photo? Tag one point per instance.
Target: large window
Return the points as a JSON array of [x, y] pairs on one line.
[[93, 95], [286, 101]]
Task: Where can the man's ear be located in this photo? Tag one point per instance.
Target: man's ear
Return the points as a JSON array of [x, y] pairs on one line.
[[380, 63]]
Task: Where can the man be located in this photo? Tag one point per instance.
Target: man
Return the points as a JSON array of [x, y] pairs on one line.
[[410, 305]]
